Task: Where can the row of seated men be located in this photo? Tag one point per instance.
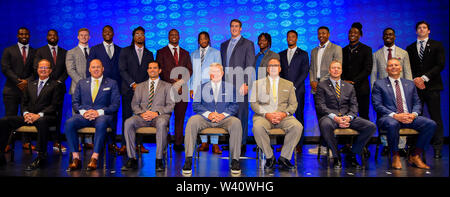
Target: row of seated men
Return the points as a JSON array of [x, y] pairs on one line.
[[272, 99]]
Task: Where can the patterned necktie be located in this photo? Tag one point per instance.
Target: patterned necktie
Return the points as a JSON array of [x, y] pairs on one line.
[[274, 91], [421, 50], [54, 55], [399, 100], [150, 95], [109, 51], [94, 93], [86, 55], [175, 55], [202, 55], [41, 85], [24, 54], [140, 55], [338, 90], [389, 53]]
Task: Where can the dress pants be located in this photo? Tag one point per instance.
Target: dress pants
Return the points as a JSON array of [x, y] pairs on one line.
[[424, 126], [135, 122], [197, 123], [299, 114], [433, 101], [12, 103], [365, 128], [363, 105], [77, 121], [127, 111], [10, 123], [180, 111], [242, 114], [290, 125]]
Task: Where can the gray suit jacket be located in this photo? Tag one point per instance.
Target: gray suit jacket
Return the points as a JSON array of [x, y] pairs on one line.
[[262, 69], [380, 63], [162, 101], [260, 98], [76, 66], [332, 52], [327, 101]]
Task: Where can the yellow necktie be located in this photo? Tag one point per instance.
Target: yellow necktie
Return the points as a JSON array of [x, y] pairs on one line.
[[274, 91], [94, 93]]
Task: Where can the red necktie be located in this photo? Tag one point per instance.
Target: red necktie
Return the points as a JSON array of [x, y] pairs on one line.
[[24, 54], [54, 55], [399, 100], [389, 53], [175, 55]]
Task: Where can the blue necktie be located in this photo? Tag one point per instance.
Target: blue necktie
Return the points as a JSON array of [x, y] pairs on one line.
[[230, 50], [41, 85]]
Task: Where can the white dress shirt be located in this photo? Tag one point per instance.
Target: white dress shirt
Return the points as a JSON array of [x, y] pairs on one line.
[[111, 47], [82, 48], [405, 107], [290, 54], [320, 52], [41, 114], [27, 47], [171, 50], [216, 87], [56, 49], [425, 78], [386, 52]]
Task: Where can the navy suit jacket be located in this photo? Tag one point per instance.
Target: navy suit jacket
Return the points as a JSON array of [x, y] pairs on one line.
[[130, 69], [111, 65], [383, 97], [243, 56], [297, 71], [108, 96], [204, 100]]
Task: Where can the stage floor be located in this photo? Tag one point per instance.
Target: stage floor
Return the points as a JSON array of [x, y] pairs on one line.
[[211, 165]]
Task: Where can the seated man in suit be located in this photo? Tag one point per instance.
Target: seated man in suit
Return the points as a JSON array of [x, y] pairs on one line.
[[274, 102], [215, 106], [152, 106], [95, 101], [398, 106], [337, 108], [40, 102]]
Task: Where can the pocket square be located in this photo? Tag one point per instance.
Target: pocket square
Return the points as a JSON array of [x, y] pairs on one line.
[[106, 89], [285, 90]]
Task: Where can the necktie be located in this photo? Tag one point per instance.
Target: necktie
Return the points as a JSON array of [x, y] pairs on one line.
[[24, 54], [215, 92], [274, 92], [230, 51], [338, 90], [291, 53], [94, 93], [54, 55], [175, 55], [140, 55], [109, 51], [202, 55], [421, 50], [398, 95], [86, 55], [389, 53], [150, 95], [41, 85]]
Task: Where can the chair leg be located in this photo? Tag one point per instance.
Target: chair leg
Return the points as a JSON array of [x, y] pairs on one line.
[[389, 158], [318, 148], [13, 144], [377, 148]]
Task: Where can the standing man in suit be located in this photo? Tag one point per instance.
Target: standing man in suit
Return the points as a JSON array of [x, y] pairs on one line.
[[215, 106], [133, 62], [57, 57], [108, 53], [95, 100], [321, 58], [152, 106], [41, 99], [427, 57], [274, 102], [398, 106], [295, 67], [201, 58], [338, 108], [356, 67], [264, 55], [17, 66], [170, 57], [239, 52]]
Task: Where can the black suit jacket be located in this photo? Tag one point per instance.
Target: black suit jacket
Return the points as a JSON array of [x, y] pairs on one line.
[[357, 66], [14, 69], [130, 69], [48, 101], [59, 70], [327, 101], [431, 66], [297, 71]]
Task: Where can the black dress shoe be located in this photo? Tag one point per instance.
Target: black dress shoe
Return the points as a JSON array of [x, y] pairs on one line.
[[132, 163], [351, 159], [337, 163], [159, 165], [235, 167], [243, 150], [187, 168], [385, 150], [437, 154], [178, 148], [285, 164], [402, 152], [269, 163], [37, 163], [2, 159]]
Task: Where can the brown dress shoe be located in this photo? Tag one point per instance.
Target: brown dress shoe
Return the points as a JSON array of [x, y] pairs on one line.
[[75, 165], [216, 149], [122, 150], [92, 164], [26, 145], [143, 150], [417, 161], [279, 149], [7, 148], [203, 147], [396, 163]]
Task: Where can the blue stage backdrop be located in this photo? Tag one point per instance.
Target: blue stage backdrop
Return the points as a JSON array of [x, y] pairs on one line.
[[213, 16]]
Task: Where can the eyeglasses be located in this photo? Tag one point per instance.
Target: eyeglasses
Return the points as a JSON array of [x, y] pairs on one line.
[[274, 65], [44, 68]]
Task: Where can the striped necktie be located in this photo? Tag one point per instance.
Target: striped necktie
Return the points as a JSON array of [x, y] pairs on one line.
[[338, 90], [150, 95], [421, 50]]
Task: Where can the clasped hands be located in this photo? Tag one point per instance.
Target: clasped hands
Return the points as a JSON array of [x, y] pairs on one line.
[[91, 114], [418, 81], [216, 117], [343, 121], [405, 118], [149, 115], [30, 118], [275, 117]]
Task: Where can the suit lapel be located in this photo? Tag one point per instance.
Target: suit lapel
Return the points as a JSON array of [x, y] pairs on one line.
[[405, 90], [331, 87], [390, 90], [240, 42], [168, 51]]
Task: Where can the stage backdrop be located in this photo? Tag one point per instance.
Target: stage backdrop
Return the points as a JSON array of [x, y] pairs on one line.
[[213, 16]]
